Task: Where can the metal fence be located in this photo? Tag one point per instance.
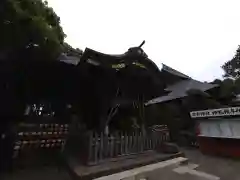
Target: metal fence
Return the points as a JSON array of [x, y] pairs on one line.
[[103, 147]]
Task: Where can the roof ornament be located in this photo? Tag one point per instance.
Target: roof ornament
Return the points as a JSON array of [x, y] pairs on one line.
[[137, 51], [140, 46]]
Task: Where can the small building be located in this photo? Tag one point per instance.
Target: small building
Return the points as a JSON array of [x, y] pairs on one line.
[[218, 131]]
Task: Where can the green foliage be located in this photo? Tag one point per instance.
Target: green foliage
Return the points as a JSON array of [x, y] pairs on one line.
[[232, 67], [231, 85], [29, 26], [70, 51], [227, 90], [237, 86], [203, 99]]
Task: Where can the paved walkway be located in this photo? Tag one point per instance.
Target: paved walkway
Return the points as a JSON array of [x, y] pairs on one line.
[[225, 168], [200, 167], [167, 170]]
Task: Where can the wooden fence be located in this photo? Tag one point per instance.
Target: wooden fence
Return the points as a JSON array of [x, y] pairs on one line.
[[119, 144]]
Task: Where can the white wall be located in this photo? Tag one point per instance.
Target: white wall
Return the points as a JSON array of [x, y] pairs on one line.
[[227, 128]]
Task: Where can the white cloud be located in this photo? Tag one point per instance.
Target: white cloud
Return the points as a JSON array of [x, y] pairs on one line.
[[193, 36]]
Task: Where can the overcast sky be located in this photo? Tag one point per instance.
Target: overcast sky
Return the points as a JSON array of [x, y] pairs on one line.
[[193, 36]]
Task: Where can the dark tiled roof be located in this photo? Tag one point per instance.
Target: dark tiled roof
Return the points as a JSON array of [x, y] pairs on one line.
[[179, 90], [174, 72]]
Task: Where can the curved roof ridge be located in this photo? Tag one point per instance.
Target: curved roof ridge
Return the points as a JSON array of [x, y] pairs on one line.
[[174, 72]]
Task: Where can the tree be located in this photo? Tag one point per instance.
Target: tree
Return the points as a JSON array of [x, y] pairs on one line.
[[227, 90], [30, 29], [70, 51], [237, 86], [232, 67], [203, 99]]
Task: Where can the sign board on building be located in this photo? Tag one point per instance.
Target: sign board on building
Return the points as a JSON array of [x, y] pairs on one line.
[[231, 111]]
